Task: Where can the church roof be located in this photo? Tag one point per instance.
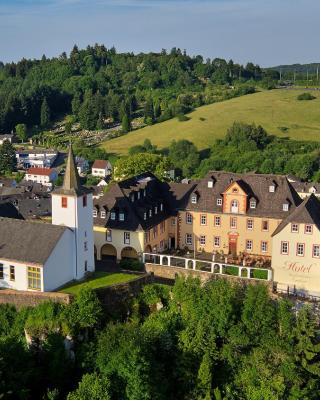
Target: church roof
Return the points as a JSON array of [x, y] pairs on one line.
[[28, 242], [71, 183]]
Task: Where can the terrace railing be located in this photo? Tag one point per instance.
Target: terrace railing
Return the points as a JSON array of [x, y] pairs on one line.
[[213, 267]]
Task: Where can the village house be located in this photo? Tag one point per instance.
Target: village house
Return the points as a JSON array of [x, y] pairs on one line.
[[44, 176], [82, 165], [101, 168], [43, 257], [41, 158]]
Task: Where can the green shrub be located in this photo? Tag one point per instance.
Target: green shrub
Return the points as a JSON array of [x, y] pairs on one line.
[[306, 96], [131, 264], [182, 117]]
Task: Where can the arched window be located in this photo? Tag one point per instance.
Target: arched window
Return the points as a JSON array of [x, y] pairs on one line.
[[234, 206]]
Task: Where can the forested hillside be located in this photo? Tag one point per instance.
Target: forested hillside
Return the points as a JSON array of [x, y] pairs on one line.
[[98, 85]]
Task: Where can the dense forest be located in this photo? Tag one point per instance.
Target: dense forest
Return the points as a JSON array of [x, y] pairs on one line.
[[245, 148], [219, 341], [97, 85]]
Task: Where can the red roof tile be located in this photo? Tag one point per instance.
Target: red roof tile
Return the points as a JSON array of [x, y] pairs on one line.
[[100, 164], [40, 171]]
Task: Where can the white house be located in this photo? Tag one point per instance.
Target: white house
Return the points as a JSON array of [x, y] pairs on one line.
[[8, 137], [45, 176], [36, 158], [43, 257], [101, 168], [82, 165]]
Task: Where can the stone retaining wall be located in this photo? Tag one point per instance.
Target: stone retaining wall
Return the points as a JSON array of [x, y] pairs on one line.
[[21, 298], [166, 272]]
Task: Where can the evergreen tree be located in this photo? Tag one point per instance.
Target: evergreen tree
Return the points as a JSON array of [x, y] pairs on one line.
[[126, 123], [8, 161], [148, 111], [44, 113]]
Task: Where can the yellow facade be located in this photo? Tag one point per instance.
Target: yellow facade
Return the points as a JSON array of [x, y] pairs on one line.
[[293, 272]]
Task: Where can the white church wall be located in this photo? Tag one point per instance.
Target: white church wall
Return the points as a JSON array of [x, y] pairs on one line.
[[59, 268], [20, 281]]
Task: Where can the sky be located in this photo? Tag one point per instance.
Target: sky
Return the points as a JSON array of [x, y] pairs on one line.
[[266, 32]]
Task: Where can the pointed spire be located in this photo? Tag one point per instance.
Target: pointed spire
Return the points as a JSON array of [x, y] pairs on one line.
[[71, 178], [71, 182]]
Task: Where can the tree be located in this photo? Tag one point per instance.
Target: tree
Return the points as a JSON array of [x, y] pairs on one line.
[[91, 387], [8, 160], [184, 155], [126, 123], [21, 131], [44, 113], [148, 111]]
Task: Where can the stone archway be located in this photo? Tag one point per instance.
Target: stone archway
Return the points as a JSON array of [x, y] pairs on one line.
[[108, 252], [129, 252]]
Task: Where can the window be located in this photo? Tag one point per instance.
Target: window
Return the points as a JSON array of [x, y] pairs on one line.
[[12, 273], [202, 240], [161, 207], [194, 199], [64, 202], [34, 278], [126, 237], [284, 247], [188, 239], [139, 195], [308, 229], [217, 220], [150, 213], [85, 246], [264, 247], [161, 245], [113, 216], [234, 206], [121, 216], [316, 251], [294, 228], [253, 203], [219, 202], [155, 232], [250, 224], [84, 201], [300, 249], [1, 271], [285, 207], [103, 214], [271, 188], [249, 245], [156, 210], [109, 235], [265, 225], [210, 184], [216, 241], [132, 198], [233, 223], [234, 190], [86, 266], [203, 219], [144, 216], [173, 221], [189, 218], [144, 193], [94, 213]]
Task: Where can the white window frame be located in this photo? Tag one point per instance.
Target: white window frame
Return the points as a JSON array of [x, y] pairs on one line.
[[189, 218], [202, 240], [253, 203], [284, 244], [194, 199], [264, 246], [188, 239], [316, 254], [272, 188], [250, 224], [294, 228], [121, 216], [103, 214], [126, 237], [300, 249], [217, 218], [203, 219], [249, 245], [306, 230], [219, 202], [285, 207], [109, 235], [113, 216], [216, 241], [94, 213]]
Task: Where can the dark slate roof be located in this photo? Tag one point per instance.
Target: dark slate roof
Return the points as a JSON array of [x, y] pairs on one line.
[[8, 210], [28, 242], [308, 212], [304, 187], [255, 186], [71, 183], [119, 197]]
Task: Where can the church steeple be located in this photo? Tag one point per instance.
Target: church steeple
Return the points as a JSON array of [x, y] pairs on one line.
[[71, 182]]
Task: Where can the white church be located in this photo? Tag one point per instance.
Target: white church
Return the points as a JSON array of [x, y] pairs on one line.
[[43, 257]]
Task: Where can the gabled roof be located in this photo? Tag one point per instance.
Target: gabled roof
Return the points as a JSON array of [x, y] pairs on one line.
[[40, 171], [28, 242], [71, 183], [308, 212], [101, 164]]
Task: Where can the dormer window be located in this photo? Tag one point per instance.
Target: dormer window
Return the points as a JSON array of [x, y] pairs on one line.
[[219, 202], [285, 207], [272, 189], [145, 216], [94, 213], [234, 190], [132, 198], [113, 216], [103, 214], [150, 213], [253, 203], [234, 208], [121, 216], [210, 184], [156, 210], [138, 195], [194, 199], [161, 207], [144, 192]]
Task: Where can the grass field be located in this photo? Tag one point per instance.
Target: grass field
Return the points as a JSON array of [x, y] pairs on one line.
[[99, 280], [271, 109]]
